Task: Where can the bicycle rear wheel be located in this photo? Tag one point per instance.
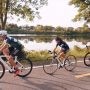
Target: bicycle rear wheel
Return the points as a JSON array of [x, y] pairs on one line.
[[25, 66], [70, 63], [87, 59], [50, 65], [2, 70]]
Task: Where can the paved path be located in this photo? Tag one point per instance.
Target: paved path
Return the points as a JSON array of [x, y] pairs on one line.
[[79, 79]]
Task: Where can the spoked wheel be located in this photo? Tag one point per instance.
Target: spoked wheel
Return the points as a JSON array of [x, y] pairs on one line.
[[50, 65], [2, 70], [87, 59], [70, 63], [25, 66]]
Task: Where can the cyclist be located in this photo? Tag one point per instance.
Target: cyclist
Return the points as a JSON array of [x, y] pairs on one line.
[[6, 49], [64, 48]]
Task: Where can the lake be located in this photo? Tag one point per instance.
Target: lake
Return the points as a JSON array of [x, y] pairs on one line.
[[47, 42]]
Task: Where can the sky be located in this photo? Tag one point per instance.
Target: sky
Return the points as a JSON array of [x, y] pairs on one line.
[[56, 13]]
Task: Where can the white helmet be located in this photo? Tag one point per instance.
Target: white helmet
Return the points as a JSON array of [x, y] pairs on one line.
[[3, 32]]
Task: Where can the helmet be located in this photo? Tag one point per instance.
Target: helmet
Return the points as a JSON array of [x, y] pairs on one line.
[[3, 32]]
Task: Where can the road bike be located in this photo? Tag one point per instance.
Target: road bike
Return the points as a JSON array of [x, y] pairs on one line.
[[53, 63], [87, 57], [24, 65]]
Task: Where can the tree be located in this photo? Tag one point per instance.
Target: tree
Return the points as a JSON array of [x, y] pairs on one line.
[[83, 10], [39, 28], [26, 9], [49, 28], [60, 29], [85, 28]]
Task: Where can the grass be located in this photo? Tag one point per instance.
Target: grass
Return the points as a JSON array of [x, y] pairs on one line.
[[38, 55], [43, 55], [78, 52]]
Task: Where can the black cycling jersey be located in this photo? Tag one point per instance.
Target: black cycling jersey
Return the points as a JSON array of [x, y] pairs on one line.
[[14, 43], [63, 45], [15, 47]]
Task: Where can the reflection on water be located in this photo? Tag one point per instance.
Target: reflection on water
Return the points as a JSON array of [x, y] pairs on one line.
[[46, 42]]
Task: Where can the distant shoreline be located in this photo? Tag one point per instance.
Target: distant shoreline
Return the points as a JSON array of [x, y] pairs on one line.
[[54, 35]]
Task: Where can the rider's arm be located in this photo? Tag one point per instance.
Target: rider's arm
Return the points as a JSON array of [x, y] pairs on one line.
[[4, 45], [55, 48]]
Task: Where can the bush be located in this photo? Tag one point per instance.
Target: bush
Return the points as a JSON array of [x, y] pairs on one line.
[[37, 55], [43, 55]]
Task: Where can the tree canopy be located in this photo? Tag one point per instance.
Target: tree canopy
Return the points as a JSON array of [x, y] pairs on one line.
[[26, 9], [83, 10]]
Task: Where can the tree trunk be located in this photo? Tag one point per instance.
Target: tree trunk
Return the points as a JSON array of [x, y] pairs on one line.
[[0, 13], [3, 26], [3, 15]]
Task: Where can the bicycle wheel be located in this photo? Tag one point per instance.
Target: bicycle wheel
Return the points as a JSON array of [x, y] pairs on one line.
[[50, 65], [2, 70], [87, 59], [70, 63], [25, 66]]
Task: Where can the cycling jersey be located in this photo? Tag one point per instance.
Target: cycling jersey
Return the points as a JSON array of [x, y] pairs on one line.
[[13, 43], [63, 46]]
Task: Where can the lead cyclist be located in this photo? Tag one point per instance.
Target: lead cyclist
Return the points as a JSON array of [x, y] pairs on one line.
[[4, 48]]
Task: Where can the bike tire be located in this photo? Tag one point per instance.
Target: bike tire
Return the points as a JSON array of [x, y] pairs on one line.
[[50, 65], [27, 65], [2, 70], [70, 62], [87, 59]]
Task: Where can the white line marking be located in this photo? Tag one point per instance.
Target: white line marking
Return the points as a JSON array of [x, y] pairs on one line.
[[35, 67], [82, 75]]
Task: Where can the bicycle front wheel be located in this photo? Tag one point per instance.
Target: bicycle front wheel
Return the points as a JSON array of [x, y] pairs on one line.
[[70, 63], [25, 66], [87, 59], [2, 70], [50, 65]]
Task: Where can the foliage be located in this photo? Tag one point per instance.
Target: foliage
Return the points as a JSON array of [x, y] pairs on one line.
[[41, 28], [78, 52], [43, 55], [37, 55], [49, 30], [23, 8], [83, 10]]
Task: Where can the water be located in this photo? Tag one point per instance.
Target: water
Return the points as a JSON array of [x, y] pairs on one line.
[[46, 42]]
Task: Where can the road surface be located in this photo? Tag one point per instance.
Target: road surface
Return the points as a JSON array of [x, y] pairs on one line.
[[79, 79]]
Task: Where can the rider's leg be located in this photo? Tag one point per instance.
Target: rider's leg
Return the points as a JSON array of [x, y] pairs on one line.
[[9, 57], [61, 54], [11, 60], [61, 57]]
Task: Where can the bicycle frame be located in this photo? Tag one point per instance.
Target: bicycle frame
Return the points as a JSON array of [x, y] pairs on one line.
[[6, 65], [53, 63], [24, 65], [58, 59]]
